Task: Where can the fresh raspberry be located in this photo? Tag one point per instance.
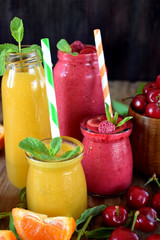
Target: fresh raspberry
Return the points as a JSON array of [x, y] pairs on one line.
[[106, 127], [77, 46]]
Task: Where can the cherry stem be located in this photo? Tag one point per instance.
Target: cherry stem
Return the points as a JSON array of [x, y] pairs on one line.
[[124, 99], [153, 178], [134, 220], [157, 219], [117, 211]]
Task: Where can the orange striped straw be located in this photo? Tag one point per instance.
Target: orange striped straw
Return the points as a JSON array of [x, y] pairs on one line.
[[102, 68]]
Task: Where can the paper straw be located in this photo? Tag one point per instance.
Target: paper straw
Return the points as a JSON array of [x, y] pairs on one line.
[[102, 68], [50, 88]]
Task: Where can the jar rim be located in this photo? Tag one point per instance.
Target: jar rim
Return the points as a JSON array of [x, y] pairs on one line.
[[57, 163]]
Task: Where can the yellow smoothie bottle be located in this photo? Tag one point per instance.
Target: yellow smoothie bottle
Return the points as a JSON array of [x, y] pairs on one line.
[[57, 188], [25, 110]]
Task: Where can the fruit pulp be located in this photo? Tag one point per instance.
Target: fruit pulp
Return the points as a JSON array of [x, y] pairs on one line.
[[107, 160], [78, 91], [25, 114], [58, 188]]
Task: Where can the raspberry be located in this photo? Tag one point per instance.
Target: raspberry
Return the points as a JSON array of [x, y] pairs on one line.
[[106, 127], [77, 46]]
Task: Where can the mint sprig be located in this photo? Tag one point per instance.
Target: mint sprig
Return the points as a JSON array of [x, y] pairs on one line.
[[63, 46], [115, 118], [38, 149], [17, 31]]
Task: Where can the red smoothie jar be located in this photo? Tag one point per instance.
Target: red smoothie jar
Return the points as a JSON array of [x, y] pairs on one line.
[[78, 91], [107, 160]]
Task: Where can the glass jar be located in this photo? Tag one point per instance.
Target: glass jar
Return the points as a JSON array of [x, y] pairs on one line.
[[78, 91], [25, 110], [107, 160], [57, 188]]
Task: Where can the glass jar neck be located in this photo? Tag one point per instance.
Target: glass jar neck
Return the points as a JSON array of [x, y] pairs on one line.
[[21, 62]]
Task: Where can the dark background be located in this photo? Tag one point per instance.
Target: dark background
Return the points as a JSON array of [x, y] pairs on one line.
[[130, 30]]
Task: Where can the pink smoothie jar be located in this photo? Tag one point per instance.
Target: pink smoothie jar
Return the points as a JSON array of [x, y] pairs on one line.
[[78, 91], [107, 160]]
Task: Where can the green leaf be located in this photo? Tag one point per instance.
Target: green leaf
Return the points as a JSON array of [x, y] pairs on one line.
[[35, 147], [114, 121], [108, 115], [12, 227], [119, 107], [17, 30], [74, 53], [140, 89], [124, 121], [63, 46], [90, 211], [55, 146], [22, 197], [69, 154], [4, 214], [9, 47], [33, 48], [102, 232]]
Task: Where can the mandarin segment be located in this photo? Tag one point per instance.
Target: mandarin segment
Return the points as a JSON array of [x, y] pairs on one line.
[[34, 226], [7, 235]]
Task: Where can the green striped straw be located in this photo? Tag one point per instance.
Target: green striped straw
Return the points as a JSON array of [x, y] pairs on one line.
[[50, 88]]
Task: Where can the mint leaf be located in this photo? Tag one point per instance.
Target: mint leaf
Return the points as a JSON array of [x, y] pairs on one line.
[[94, 211], [55, 145], [63, 46], [140, 89], [102, 232], [119, 107], [35, 147], [4, 49], [74, 53], [12, 226], [69, 154], [123, 121], [17, 30], [33, 48], [108, 115], [114, 121]]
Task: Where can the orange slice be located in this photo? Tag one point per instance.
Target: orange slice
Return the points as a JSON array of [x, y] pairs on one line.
[[7, 235], [1, 136], [35, 226]]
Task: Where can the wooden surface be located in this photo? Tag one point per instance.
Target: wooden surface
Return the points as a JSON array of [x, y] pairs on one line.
[[9, 194]]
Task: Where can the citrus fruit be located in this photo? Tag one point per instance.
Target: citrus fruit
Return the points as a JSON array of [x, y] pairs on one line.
[[1, 136], [7, 235], [35, 226]]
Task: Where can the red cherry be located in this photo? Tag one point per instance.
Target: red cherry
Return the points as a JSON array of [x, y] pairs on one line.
[[123, 233], [146, 220], [137, 197], [158, 81], [149, 86], [153, 96], [88, 50], [139, 103], [114, 216], [154, 237], [156, 202], [153, 110]]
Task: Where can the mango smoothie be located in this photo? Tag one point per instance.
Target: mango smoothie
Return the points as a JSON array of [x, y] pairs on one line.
[[25, 113], [57, 188]]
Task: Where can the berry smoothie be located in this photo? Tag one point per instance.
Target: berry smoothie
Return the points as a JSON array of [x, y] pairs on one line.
[[107, 160], [78, 88]]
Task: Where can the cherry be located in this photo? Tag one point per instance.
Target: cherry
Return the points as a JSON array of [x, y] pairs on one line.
[[153, 96], [149, 86], [156, 202], [154, 237], [153, 110], [114, 216], [123, 233], [158, 81], [139, 103], [146, 220], [137, 197]]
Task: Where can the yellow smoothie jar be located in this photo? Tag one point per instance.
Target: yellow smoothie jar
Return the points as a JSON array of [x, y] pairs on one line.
[[57, 188], [25, 110]]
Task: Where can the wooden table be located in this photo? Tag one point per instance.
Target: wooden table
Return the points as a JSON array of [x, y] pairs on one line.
[[9, 194]]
